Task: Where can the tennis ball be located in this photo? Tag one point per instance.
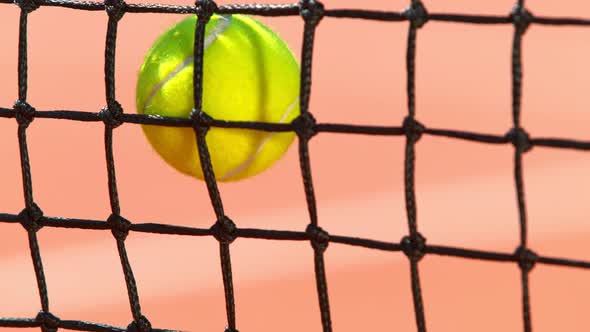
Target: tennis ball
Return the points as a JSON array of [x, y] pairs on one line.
[[249, 74]]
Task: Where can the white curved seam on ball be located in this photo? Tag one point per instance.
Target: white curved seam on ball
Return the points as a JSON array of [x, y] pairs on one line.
[[250, 159], [224, 22]]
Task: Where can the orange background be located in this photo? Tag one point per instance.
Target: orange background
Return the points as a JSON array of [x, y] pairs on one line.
[[465, 191]]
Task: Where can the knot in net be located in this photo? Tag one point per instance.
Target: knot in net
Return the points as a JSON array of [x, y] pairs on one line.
[[49, 323], [201, 120], [319, 238], [30, 218], [526, 258], [414, 246], [312, 11], [416, 13], [520, 139], [119, 226], [25, 113], [112, 115], [27, 5], [141, 325], [521, 18], [115, 9], [204, 9], [224, 230], [305, 126], [413, 129]]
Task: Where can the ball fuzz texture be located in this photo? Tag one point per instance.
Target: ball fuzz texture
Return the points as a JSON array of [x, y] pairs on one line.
[[249, 74]]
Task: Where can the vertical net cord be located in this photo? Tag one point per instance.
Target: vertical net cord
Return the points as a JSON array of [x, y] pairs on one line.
[[205, 9], [109, 70], [410, 146], [23, 80], [519, 29], [30, 206], [112, 112], [311, 12], [415, 239]]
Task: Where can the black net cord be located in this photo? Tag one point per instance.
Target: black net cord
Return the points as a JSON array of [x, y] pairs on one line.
[[25, 114], [417, 289], [131, 284], [111, 109], [414, 240], [224, 228], [228, 286], [520, 148], [22, 99], [409, 164], [521, 143], [312, 13], [201, 119], [111, 115], [39, 272], [22, 56]]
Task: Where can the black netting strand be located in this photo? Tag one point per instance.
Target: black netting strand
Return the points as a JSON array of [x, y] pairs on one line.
[[111, 115], [413, 245], [318, 128], [223, 228], [39, 273], [312, 13], [521, 144], [22, 55], [24, 114], [293, 10]]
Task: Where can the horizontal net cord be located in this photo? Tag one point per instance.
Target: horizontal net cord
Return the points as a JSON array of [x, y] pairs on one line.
[[266, 234], [68, 324], [294, 10], [561, 143]]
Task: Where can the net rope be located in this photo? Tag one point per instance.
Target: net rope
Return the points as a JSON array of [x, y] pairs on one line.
[[413, 245]]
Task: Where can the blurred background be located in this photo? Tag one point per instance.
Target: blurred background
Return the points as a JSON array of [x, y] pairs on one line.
[[465, 191]]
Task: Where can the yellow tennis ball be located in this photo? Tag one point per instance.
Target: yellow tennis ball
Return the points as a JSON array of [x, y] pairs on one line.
[[249, 74]]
